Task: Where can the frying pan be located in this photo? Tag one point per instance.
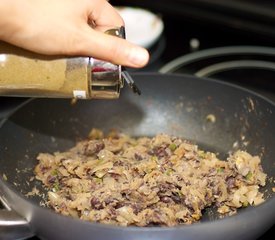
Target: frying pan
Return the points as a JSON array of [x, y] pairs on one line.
[[172, 104]]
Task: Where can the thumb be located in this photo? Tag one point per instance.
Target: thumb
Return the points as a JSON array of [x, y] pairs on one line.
[[114, 49]]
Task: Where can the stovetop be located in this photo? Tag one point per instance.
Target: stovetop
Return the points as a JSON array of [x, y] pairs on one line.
[[187, 36]]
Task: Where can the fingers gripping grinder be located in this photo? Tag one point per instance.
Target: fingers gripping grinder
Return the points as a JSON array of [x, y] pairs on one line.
[[27, 74]]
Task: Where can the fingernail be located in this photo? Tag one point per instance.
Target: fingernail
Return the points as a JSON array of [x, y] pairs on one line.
[[138, 56]]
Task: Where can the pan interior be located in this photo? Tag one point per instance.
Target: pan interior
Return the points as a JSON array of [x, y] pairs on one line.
[[173, 104]]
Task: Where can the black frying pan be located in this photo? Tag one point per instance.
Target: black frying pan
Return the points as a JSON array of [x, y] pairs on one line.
[[174, 104]]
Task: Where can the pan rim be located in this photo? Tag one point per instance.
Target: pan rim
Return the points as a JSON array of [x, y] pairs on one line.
[[266, 204], [209, 79], [245, 211]]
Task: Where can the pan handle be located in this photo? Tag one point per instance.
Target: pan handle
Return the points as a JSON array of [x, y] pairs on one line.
[[13, 226]]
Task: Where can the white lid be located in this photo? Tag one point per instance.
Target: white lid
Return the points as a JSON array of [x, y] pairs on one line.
[[142, 26]]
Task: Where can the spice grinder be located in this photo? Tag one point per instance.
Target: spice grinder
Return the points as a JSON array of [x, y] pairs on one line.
[[28, 74]]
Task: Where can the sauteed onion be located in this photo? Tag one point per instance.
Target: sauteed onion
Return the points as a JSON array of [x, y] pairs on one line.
[[163, 180]]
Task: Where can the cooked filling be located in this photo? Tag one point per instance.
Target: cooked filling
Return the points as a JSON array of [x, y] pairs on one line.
[[163, 180]]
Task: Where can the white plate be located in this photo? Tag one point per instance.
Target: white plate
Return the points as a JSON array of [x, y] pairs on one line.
[[142, 26]]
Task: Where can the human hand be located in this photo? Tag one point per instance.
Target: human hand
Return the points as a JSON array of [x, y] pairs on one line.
[[62, 27]]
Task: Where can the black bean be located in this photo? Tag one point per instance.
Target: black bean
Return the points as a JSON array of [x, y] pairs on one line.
[[160, 151], [93, 147], [137, 207], [230, 182], [51, 179], [176, 198], [44, 169], [138, 157], [119, 205], [96, 204]]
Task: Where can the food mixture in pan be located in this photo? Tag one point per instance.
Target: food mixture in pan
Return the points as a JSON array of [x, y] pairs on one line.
[[162, 181]]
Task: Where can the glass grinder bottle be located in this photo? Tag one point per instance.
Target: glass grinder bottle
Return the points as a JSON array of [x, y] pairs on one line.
[[27, 74]]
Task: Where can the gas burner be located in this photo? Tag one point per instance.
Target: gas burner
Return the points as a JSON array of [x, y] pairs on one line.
[[244, 65]]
